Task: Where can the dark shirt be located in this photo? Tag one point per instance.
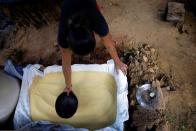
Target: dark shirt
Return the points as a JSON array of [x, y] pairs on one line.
[[96, 20]]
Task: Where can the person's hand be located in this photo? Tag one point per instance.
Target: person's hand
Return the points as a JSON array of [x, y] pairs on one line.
[[121, 66], [68, 90]]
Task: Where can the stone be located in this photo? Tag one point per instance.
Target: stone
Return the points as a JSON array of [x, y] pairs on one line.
[[140, 72], [158, 84], [156, 67], [152, 50], [145, 58], [138, 53], [147, 53], [136, 63], [154, 84], [123, 59], [131, 58], [176, 12], [151, 70], [163, 81], [173, 88], [144, 67], [168, 88], [142, 51], [132, 103]]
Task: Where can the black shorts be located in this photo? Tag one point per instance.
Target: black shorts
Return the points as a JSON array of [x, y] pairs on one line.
[[70, 7]]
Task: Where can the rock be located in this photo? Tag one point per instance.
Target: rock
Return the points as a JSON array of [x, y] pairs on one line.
[[158, 84], [146, 46], [180, 27], [145, 58], [156, 67], [173, 88], [163, 81], [137, 53], [141, 73], [136, 63], [145, 77], [144, 119], [134, 81], [131, 58], [176, 12], [132, 103], [152, 77], [168, 88], [144, 67], [152, 50], [142, 51], [154, 84], [123, 59], [151, 70], [148, 53]]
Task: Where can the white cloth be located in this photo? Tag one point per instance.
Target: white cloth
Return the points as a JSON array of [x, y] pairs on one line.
[[22, 113], [10, 69]]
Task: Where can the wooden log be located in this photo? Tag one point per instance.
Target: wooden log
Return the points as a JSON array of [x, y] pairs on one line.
[[176, 12]]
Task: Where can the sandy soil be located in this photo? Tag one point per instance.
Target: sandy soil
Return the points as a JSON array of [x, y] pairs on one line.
[[139, 21], [133, 21]]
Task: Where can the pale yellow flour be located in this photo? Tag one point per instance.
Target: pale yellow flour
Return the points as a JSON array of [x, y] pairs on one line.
[[96, 93]]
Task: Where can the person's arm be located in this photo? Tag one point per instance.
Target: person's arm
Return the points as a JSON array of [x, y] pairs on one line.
[[109, 44], [64, 47], [66, 65], [100, 26]]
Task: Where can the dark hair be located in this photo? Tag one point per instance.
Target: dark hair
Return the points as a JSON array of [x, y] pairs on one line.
[[81, 40], [80, 37]]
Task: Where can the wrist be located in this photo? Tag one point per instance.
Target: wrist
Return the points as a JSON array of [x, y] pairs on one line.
[[69, 86], [117, 61]]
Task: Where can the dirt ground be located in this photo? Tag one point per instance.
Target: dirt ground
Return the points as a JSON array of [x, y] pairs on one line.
[[133, 21], [139, 21]]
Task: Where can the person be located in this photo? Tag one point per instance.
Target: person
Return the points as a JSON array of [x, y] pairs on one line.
[[79, 20]]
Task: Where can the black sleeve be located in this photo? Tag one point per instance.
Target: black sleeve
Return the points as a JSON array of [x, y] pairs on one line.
[[63, 29], [98, 22]]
